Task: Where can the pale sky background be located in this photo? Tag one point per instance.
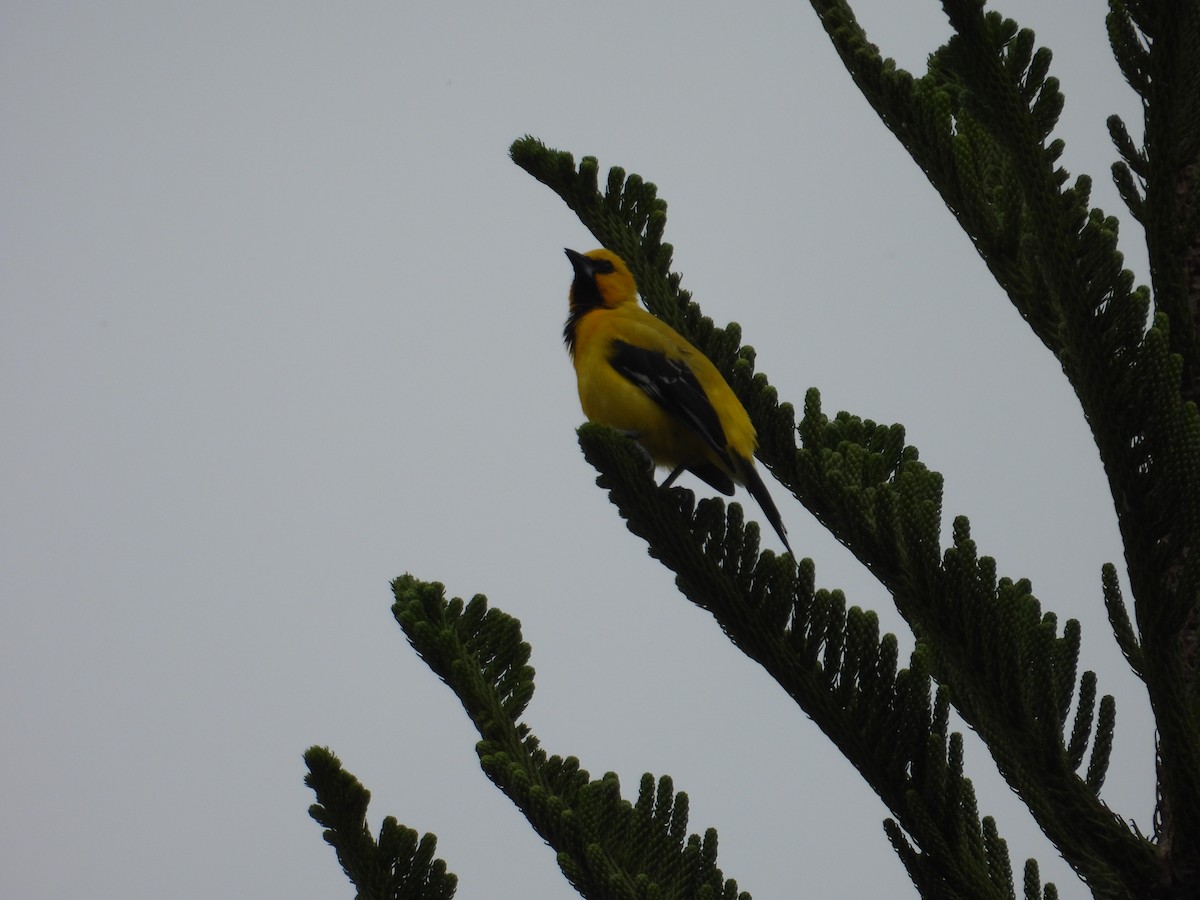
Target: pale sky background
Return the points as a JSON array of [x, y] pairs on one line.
[[281, 321]]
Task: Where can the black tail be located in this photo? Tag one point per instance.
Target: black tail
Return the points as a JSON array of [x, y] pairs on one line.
[[754, 484]]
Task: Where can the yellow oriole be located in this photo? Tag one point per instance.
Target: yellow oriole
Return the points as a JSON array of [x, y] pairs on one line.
[[638, 375]]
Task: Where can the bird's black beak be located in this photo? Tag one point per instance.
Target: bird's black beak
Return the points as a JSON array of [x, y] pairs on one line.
[[581, 264]]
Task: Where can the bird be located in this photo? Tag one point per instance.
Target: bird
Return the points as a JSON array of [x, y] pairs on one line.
[[638, 375]]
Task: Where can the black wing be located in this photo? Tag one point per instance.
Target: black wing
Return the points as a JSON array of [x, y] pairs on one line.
[[674, 387]]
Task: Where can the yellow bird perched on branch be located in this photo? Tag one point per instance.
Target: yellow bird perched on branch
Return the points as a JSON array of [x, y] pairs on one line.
[[640, 376]]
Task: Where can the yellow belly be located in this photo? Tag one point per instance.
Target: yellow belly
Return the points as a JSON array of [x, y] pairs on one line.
[[608, 398]]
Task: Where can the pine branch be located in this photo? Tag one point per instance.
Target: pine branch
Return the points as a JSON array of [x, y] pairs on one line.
[[977, 123], [1157, 45], [608, 848], [1011, 676], [830, 660], [1118, 617], [397, 866], [1033, 884]]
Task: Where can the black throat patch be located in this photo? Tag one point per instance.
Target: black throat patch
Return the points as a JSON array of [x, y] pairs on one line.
[[585, 293], [585, 297]]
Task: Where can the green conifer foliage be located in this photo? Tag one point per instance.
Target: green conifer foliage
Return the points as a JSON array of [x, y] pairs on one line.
[[980, 125]]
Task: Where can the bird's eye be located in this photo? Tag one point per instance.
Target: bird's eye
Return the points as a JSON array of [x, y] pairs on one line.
[[603, 267]]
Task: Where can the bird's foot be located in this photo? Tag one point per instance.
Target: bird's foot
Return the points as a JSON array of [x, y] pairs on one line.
[[671, 478]]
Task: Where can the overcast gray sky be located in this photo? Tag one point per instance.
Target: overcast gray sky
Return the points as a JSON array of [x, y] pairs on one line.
[[281, 321]]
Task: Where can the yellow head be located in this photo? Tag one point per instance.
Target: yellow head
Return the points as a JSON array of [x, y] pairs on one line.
[[601, 280]]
